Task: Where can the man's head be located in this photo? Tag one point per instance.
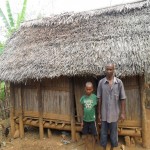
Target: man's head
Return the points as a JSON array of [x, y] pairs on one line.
[[88, 88], [110, 68]]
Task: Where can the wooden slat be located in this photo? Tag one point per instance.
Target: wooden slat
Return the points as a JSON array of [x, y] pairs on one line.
[[130, 123], [12, 110], [72, 110], [21, 127], [124, 131], [40, 108], [46, 115], [145, 140], [30, 99]]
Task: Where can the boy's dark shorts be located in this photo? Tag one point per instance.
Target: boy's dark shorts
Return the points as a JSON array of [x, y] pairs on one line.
[[89, 128]]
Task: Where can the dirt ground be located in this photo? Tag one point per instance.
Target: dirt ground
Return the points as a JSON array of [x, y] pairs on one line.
[[32, 142]]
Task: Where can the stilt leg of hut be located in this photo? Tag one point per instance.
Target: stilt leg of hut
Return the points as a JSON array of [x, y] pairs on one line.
[[41, 130], [49, 133], [12, 114], [73, 127], [21, 126], [73, 130], [145, 140], [40, 102]]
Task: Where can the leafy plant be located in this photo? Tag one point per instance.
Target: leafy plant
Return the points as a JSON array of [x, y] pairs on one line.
[[11, 24], [2, 90]]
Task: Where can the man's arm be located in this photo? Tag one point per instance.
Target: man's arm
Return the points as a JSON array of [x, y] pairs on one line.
[[123, 102], [123, 110]]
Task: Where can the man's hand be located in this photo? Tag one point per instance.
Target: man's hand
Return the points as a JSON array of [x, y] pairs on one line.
[[122, 117]]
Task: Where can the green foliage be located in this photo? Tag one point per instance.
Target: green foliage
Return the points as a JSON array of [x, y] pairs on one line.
[[10, 17], [2, 90], [21, 15], [11, 24], [4, 19]]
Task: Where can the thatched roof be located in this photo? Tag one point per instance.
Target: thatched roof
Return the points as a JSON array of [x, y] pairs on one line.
[[77, 44]]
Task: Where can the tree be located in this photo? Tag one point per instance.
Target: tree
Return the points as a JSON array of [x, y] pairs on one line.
[[11, 25]]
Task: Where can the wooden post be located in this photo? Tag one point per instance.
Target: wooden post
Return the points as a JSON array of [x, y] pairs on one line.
[[12, 110], [144, 118], [72, 110], [40, 105], [49, 133], [21, 127]]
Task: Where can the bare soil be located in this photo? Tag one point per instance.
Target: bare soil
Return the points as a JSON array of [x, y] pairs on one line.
[[32, 142]]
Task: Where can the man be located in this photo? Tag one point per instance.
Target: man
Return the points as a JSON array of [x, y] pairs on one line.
[[110, 93]]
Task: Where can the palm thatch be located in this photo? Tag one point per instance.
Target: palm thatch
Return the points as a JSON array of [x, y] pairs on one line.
[[80, 43]]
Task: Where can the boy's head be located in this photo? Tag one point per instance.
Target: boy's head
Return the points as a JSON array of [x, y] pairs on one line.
[[88, 88]]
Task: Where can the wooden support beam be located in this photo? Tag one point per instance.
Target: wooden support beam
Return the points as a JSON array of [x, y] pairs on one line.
[[145, 140], [63, 125], [34, 121], [72, 110], [67, 127], [40, 107], [129, 132], [50, 122], [12, 110], [21, 127], [49, 133], [24, 119]]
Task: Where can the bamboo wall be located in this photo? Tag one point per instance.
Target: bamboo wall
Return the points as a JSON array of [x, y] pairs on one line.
[[55, 97], [133, 101]]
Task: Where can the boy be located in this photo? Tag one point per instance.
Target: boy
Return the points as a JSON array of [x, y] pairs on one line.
[[89, 102]]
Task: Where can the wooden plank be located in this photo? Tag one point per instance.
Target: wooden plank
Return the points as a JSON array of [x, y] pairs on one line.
[[145, 140], [130, 123], [30, 99], [21, 127], [51, 116], [49, 133], [55, 102], [12, 110], [72, 107], [40, 102], [129, 132]]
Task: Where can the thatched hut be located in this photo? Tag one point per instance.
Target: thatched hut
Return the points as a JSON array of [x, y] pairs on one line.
[[48, 61]]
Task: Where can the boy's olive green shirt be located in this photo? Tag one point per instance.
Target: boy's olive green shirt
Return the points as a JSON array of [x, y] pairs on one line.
[[89, 103]]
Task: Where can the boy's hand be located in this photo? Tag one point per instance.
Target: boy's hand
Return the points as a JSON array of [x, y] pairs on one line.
[[82, 124]]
